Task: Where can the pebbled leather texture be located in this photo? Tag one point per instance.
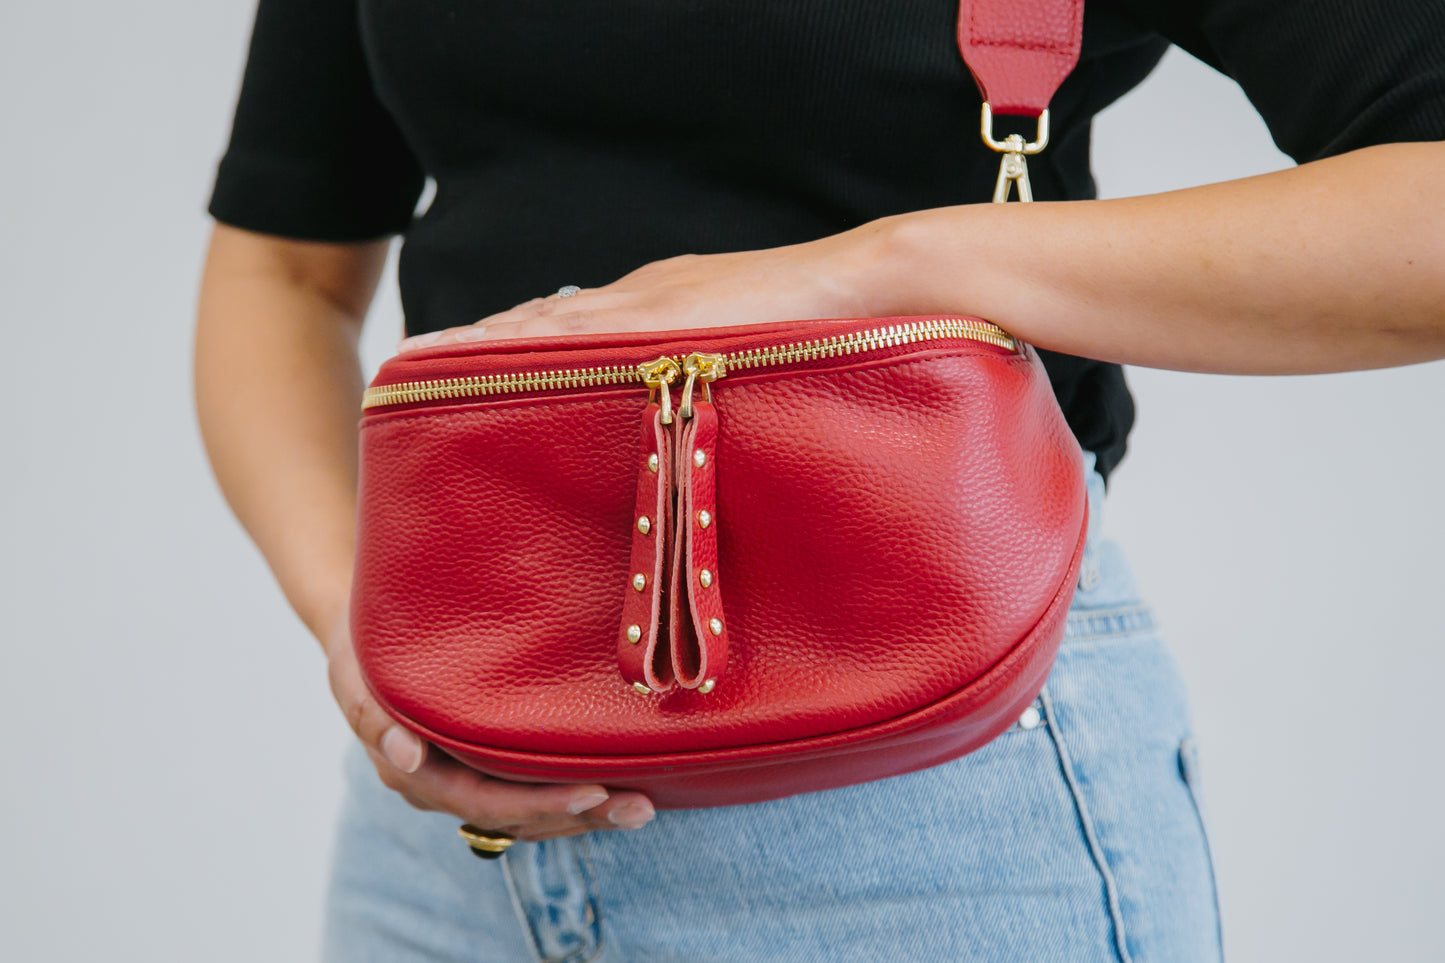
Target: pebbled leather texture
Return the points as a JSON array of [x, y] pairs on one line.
[[898, 534], [1019, 52]]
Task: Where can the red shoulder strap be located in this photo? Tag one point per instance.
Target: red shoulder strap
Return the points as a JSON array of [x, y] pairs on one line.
[[1019, 51]]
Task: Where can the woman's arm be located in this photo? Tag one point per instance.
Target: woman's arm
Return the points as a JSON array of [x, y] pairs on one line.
[[1337, 264], [278, 388], [278, 392]]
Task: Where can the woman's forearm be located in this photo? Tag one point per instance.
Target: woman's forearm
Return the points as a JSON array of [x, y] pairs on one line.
[[278, 388], [1334, 265]]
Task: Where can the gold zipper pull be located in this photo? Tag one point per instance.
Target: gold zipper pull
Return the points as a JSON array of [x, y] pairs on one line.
[[657, 375], [700, 366]]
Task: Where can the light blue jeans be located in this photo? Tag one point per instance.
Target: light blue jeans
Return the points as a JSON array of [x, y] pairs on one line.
[[1075, 836]]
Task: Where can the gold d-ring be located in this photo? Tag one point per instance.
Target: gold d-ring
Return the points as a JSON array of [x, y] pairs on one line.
[[486, 843], [1008, 144]]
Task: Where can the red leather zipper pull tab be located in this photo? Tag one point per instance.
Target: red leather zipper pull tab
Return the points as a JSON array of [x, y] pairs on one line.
[[643, 655], [697, 626]]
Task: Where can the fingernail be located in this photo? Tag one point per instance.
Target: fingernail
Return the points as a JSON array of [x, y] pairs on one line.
[[586, 801], [419, 341], [632, 816], [472, 334], [402, 749]]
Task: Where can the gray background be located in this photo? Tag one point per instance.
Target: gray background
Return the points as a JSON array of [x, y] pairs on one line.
[[170, 749]]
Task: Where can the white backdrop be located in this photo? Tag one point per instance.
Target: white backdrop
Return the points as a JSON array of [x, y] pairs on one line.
[[170, 750]]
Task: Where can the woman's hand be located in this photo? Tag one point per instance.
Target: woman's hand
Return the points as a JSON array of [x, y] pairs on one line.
[[828, 278], [432, 781]]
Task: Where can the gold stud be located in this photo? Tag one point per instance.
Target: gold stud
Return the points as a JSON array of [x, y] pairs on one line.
[[699, 458], [634, 634], [705, 577], [715, 625], [704, 518], [706, 687], [641, 689], [652, 462], [639, 581], [644, 525]]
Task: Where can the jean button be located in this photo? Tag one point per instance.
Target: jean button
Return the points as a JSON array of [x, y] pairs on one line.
[[1031, 718]]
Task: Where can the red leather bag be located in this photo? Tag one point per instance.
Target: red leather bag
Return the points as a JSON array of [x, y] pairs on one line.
[[726, 565]]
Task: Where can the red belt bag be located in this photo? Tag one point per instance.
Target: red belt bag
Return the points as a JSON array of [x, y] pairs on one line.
[[728, 565]]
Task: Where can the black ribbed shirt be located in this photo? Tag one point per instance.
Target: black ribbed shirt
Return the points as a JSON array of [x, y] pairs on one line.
[[572, 141]]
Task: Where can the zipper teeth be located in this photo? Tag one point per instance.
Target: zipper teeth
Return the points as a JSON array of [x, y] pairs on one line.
[[933, 329], [856, 342], [443, 389]]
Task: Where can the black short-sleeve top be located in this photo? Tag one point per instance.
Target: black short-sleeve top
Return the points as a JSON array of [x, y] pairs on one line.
[[572, 141]]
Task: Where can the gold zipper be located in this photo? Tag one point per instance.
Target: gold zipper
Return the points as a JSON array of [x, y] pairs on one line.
[[856, 342], [474, 386]]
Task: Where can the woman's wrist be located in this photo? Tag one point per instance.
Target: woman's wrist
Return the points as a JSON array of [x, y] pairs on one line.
[[328, 612], [321, 599], [890, 263]]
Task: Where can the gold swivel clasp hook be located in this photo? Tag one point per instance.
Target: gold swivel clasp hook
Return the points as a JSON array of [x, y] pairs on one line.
[[1013, 167]]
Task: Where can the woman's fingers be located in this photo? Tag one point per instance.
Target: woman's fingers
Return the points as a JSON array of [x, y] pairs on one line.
[[540, 317], [497, 803], [433, 781], [476, 331], [376, 730], [524, 810], [638, 301], [402, 748]]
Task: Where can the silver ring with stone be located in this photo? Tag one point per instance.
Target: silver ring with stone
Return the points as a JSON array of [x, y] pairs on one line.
[[568, 291]]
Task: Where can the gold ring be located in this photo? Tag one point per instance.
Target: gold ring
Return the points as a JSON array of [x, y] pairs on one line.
[[486, 843]]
